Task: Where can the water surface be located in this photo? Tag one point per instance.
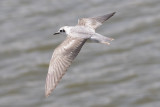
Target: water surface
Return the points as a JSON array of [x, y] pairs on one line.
[[124, 74]]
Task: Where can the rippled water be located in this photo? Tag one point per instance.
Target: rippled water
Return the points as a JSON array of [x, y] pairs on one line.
[[124, 74]]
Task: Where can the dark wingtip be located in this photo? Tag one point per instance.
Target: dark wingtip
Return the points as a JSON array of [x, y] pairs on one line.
[[113, 13], [104, 17]]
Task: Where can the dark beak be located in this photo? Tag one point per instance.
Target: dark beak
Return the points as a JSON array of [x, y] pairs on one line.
[[56, 33]]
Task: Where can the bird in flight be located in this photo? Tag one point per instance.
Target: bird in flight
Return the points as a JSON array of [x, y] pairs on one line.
[[66, 52]]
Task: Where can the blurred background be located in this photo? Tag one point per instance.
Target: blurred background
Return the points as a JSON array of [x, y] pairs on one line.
[[124, 74]]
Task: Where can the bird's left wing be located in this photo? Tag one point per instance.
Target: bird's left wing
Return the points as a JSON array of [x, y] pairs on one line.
[[61, 59]]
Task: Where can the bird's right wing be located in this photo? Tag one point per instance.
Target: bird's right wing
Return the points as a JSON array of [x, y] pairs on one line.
[[61, 59], [94, 22]]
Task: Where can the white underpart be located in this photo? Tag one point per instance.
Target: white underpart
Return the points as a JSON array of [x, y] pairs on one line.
[[80, 31], [86, 32]]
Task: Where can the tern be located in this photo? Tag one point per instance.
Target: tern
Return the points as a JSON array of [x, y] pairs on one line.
[[66, 52]]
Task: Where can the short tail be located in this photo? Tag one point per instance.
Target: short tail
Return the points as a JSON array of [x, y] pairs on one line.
[[101, 39]]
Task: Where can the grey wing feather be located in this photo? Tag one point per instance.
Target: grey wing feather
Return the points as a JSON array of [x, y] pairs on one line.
[[61, 59], [94, 22]]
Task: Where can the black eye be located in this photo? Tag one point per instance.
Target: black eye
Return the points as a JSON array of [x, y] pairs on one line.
[[62, 30]]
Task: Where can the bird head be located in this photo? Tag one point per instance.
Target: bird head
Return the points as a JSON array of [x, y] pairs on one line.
[[62, 30]]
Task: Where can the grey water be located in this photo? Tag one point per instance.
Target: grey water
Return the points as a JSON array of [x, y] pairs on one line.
[[124, 74]]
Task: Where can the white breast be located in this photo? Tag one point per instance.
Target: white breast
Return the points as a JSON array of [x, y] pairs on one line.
[[81, 31]]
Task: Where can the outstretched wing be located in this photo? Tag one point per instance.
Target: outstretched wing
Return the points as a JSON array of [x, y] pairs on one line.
[[61, 59], [94, 22]]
